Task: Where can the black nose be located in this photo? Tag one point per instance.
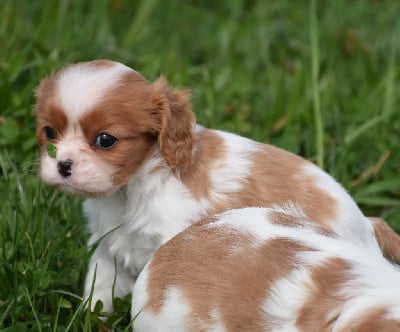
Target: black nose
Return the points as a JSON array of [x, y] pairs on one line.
[[64, 167]]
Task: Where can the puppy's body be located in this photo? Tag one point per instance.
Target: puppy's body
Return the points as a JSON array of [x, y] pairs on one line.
[[266, 269], [134, 149], [156, 205]]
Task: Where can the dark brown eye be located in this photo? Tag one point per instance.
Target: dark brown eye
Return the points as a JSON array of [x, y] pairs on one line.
[[50, 133], [105, 141]]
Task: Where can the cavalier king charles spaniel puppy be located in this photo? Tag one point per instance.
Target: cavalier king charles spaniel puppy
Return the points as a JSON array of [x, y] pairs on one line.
[[133, 148]]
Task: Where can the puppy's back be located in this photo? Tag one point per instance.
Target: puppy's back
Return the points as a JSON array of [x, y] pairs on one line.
[[266, 269]]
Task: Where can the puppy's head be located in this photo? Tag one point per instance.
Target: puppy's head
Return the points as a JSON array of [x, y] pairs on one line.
[[103, 120]]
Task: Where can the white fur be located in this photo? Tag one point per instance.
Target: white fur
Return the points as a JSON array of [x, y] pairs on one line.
[[287, 296], [140, 290], [349, 221], [81, 87], [171, 318], [226, 174]]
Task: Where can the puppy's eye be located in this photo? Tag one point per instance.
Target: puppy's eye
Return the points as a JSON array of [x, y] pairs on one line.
[[50, 133], [105, 141]]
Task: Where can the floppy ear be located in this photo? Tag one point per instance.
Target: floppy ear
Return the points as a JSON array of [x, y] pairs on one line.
[[176, 124], [388, 239]]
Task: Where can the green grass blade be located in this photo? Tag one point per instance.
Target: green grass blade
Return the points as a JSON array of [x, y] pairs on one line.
[[379, 201], [389, 185], [6, 311], [319, 132], [28, 297]]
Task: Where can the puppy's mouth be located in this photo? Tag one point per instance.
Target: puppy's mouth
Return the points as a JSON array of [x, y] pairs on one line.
[[74, 190]]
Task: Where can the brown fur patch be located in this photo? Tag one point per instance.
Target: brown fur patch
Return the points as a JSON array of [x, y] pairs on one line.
[[373, 321], [277, 177], [326, 301], [127, 114], [220, 270], [209, 151], [388, 239], [48, 111], [290, 220], [325, 297]]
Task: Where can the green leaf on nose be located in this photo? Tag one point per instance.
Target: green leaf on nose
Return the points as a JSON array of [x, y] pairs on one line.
[[52, 150]]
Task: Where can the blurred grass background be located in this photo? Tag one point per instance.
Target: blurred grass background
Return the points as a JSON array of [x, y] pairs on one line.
[[318, 78]]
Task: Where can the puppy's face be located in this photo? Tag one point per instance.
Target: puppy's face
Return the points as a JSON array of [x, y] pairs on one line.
[[104, 120]]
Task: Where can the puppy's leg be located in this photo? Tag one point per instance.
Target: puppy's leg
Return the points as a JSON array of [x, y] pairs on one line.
[[387, 238], [108, 277]]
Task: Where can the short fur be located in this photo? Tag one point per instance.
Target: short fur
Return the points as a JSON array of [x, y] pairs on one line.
[[266, 269], [165, 172]]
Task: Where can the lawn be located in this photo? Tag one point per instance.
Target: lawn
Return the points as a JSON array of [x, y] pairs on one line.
[[321, 82]]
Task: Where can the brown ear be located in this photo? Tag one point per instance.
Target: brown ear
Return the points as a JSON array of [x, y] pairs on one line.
[[176, 124], [388, 239]]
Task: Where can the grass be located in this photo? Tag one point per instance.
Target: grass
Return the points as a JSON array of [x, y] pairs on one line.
[[318, 78]]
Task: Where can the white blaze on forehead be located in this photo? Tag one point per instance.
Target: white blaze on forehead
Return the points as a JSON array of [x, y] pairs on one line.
[[82, 86]]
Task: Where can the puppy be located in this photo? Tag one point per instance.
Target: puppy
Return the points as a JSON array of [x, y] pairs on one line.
[[133, 148], [266, 269]]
